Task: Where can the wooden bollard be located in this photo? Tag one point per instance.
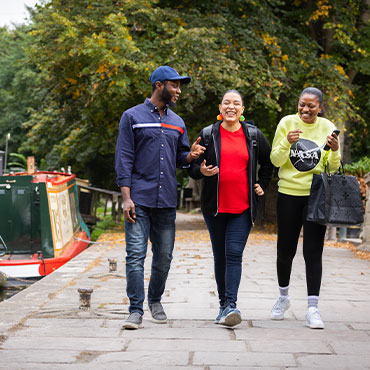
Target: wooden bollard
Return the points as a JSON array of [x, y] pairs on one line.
[[85, 298], [112, 264]]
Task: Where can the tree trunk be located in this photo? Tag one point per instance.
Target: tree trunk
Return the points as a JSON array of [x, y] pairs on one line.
[[345, 139], [365, 16]]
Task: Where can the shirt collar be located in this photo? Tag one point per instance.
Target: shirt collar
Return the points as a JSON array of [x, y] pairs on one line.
[[154, 108]]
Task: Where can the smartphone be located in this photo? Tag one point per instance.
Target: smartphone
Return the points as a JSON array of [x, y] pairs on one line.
[[327, 147]]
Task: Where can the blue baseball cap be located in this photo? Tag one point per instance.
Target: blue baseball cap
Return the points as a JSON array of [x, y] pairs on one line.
[[163, 73]]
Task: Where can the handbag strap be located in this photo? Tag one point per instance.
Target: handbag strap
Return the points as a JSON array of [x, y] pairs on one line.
[[327, 169], [341, 169]]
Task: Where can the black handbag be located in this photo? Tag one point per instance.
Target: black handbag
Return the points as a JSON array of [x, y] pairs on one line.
[[335, 199]]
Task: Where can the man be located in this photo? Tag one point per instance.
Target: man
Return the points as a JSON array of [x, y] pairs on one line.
[[152, 142]]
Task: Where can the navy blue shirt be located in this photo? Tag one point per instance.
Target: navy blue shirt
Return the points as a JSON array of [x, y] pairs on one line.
[[149, 148]]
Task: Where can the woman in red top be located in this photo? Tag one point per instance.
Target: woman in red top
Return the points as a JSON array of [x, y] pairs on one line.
[[228, 199]]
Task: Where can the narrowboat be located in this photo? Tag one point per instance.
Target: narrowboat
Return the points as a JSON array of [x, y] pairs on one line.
[[41, 227]]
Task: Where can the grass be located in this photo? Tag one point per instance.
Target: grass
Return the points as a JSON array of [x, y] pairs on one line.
[[106, 225]]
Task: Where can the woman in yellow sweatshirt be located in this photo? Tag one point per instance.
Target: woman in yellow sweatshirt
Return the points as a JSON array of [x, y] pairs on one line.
[[298, 151]]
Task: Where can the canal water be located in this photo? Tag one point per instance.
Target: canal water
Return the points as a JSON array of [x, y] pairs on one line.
[[11, 287]]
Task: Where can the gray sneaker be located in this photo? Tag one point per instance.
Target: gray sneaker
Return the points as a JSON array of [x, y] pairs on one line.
[[281, 305], [157, 311], [313, 318], [134, 321]]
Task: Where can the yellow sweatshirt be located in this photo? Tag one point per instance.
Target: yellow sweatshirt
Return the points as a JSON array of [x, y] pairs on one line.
[[299, 161]]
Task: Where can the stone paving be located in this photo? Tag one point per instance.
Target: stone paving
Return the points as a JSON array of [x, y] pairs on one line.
[[43, 328]]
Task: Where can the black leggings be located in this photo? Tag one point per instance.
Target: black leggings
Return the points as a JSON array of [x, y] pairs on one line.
[[291, 215]]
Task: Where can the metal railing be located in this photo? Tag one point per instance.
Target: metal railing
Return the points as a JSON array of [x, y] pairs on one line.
[[3, 247]]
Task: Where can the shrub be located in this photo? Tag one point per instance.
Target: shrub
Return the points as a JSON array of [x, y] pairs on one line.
[[107, 224], [359, 168]]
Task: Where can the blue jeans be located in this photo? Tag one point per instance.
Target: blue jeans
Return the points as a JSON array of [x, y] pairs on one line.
[[158, 224], [229, 233]]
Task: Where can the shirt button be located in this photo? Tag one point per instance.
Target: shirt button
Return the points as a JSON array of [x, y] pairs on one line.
[[161, 158], [160, 186], [162, 131], [162, 144], [161, 172]]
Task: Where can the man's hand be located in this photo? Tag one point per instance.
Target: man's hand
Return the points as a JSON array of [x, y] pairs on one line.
[[195, 151], [208, 170], [129, 213]]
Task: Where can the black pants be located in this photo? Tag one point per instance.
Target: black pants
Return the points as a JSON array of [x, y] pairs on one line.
[[291, 216]]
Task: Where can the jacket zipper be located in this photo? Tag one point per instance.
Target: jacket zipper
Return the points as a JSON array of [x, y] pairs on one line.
[[250, 174], [251, 190], [218, 164]]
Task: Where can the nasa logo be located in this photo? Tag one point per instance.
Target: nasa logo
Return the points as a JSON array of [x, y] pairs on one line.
[[305, 155]]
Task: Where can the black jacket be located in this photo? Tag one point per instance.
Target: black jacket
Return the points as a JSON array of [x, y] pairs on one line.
[[209, 195]]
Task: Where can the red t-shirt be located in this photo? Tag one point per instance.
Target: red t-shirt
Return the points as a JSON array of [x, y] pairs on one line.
[[233, 177]]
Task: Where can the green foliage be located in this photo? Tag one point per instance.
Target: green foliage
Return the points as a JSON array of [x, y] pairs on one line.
[[360, 133], [83, 62], [97, 57], [90, 62], [19, 162], [182, 178], [106, 225], [341, 31], [18, 86], [359, 168]]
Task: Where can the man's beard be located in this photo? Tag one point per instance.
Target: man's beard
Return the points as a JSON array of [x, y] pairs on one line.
[[167, 97]]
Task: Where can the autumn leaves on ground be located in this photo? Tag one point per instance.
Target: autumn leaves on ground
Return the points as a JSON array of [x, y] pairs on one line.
[[195, 231]]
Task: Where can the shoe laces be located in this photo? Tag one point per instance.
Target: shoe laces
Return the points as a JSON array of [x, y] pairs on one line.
[[281, 304], [314, 314]]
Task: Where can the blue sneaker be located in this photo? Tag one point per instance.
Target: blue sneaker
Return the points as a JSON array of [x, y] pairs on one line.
[[230, 316], [217, 320]]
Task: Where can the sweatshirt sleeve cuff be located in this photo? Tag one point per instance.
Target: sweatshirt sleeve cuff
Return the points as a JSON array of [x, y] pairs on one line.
[[285, 143], [335, 155]]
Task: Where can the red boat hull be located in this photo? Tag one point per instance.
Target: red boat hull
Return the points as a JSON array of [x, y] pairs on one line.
[[36, 266]]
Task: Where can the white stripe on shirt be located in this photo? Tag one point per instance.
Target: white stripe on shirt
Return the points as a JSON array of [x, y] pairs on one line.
[[138, 125]]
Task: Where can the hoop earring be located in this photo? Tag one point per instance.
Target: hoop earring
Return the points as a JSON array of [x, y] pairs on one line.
[[219, 117]]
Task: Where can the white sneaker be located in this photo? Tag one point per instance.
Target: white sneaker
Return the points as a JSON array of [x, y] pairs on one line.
[[281, 305], [313, 318]]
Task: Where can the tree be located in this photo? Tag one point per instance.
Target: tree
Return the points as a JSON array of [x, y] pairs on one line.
[[18, 86], [341, 31], [95, 58]]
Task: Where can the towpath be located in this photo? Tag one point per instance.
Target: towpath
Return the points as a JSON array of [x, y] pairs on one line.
[[42, 327]]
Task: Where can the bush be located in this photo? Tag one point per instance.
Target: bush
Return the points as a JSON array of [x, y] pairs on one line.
[[359, 168], [107, 224]]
